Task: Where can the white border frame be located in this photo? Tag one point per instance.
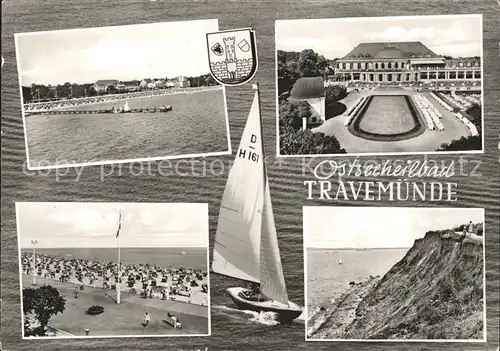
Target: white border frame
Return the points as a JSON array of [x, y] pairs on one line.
[[472, 341], [209, 306], [405, 153], [95, 163]]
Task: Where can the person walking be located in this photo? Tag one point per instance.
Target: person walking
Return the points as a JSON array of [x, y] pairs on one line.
[[470, 228], [147, 319]]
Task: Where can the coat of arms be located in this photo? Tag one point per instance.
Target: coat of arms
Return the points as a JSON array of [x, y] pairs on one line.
[[232, 55]]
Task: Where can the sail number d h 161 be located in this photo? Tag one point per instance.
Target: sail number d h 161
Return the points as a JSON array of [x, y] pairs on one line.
[[249, 154]]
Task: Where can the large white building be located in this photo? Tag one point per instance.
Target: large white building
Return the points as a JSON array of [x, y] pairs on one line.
[[399, 62]]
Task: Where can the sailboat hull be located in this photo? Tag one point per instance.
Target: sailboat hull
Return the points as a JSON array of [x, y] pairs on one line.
[[285, 313]]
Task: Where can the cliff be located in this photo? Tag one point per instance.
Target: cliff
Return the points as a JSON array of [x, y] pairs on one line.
[[434, 292]]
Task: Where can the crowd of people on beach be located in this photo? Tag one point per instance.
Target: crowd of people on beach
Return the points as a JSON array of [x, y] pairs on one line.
[[148, 281], [51, 105]]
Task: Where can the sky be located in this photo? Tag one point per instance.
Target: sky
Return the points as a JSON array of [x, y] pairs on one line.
[[88, 225], [379, 227], [334, 38], [131, 52]]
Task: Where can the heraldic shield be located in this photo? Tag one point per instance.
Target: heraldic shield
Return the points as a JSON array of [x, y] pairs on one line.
[[232, 55]]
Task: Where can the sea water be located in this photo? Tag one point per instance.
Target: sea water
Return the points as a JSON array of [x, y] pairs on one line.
[[327, 279]]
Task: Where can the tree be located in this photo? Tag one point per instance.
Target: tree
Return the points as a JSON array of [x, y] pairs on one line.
[[334, 93], [474, 113], [43, 303], [26, 94], [308, 63], [291, 114]]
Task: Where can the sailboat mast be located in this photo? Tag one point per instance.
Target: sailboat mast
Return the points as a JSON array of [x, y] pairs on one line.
[[255, 87]]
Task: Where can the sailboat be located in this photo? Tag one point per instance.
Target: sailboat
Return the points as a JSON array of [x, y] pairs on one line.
[[126, 107], [246, 242]]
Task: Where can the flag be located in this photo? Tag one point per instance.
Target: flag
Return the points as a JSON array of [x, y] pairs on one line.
[[119, 225]]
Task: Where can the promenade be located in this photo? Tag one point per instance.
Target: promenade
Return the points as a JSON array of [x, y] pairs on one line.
[[426, 142], [120, 319]]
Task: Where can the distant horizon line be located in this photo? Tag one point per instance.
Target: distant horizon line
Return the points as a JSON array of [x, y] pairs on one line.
[[359, 248], [116, 247]]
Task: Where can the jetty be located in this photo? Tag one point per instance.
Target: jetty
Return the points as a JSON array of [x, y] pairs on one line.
[[99, 111]]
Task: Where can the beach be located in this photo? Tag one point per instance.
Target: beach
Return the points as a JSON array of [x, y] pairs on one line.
[[92, 100], [84, 277], [195, 125], [334, 289], [330, 321], [155, 282]]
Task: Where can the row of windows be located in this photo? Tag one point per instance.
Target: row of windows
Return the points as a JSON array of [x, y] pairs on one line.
[[399, 65], [371, 65], [423, 75], [452, 75], [464, 64]]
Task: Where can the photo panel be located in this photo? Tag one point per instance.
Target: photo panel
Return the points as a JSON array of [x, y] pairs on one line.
[[120, 94], [409, 85], [399, 274], [94, 270]]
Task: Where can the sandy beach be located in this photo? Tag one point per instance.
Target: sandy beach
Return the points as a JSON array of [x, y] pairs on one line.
[[184, 285], [71, 103]]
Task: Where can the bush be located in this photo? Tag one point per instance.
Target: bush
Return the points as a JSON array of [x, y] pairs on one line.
[[305, 142], [93, 310], [464, 143]]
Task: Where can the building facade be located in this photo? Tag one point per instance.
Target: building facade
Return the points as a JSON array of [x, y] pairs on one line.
[[401, 62], [103, 86]]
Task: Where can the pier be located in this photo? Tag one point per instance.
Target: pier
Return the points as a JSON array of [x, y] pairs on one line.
[[101, 111]]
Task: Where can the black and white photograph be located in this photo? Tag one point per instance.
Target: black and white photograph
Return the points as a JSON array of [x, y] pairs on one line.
[[398, 274], [120, 94], [408, 85], [92, 270]]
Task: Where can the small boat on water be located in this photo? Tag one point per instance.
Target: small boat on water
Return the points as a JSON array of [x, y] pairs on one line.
[[183, 253], [166, 108], [126, 107], [246, 242], [340, 261]]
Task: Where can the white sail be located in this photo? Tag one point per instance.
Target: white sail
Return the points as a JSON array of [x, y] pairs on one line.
[[237, 240], [126, 107], [272, 281]]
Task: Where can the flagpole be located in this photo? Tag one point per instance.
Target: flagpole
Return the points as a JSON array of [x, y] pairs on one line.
[[119, 262]]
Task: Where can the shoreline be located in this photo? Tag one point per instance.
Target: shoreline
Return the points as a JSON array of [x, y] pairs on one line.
[[330, 321], [95, 100]]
